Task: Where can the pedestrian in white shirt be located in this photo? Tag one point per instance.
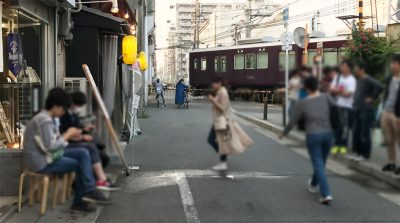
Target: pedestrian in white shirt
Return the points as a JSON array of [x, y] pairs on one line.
[[343, 87]]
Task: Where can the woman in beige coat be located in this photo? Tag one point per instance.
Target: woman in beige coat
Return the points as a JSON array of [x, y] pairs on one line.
[[233, 139]]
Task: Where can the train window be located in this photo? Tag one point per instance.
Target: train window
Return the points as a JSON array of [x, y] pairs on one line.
[[216, 64], [223, 63], [196, 64], [330, 58], [262, 60], [239, 62], [203, 63], [292, 60], [310, 60], [251, 61]]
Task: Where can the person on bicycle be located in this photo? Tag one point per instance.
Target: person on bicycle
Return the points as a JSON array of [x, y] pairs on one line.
[[180, 93], [159, 87]]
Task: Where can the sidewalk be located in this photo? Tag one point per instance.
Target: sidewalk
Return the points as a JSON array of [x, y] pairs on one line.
[[254, 112]]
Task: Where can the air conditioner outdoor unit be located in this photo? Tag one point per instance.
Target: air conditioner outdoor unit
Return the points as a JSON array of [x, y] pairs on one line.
[[72, 84]]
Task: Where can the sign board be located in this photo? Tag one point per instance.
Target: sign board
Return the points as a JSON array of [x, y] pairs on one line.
[[289, 47], [135, 101], [285, 15], [287, 38]]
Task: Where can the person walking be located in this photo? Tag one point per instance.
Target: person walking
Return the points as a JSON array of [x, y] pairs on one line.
[[368, 90], [315, 111], [180, 90], [390, 120], [343, 87], [226, 136], [159, 87], [294, 90]]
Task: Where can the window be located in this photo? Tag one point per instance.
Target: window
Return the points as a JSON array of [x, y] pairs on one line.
[[223, 64], [331, 58], [262, 61], [196, 64], [282, 60], [310, 60], [220, 64], [239, 62], [203, 63], [216, 67], [251, 61]]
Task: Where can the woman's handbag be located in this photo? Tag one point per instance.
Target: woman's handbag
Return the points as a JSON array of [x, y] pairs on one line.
[[221, 123]]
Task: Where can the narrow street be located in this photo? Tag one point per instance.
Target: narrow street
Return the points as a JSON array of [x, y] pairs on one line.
[[265, 184]]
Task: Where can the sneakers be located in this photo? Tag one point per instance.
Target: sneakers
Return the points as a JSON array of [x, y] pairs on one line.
[[326, 200], [359, 159], [312, 189], [343, 150], [96, 197], [389, 167], [83, 207], [335, 150], [107, 185], [222, 166], [339, 150]]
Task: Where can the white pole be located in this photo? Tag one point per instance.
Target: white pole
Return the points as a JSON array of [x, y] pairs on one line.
[[286, 76]]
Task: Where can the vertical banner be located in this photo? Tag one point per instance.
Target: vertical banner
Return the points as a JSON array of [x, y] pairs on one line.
[[15, 56]]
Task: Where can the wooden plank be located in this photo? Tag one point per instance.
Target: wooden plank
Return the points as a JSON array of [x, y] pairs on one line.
[[6, 125], [107, 119]]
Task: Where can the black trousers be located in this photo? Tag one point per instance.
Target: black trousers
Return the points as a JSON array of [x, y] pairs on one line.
[[363, 120], [212, 140]]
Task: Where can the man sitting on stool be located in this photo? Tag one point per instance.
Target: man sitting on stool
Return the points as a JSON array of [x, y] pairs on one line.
[[43, 127]]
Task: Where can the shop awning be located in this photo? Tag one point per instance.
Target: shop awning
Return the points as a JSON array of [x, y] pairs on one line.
[[89, 17]]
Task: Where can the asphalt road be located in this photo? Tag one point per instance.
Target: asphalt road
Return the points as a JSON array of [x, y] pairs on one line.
[[265, 184]]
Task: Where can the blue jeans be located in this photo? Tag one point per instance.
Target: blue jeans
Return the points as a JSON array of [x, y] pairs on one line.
[[342, 134], [75, 160], [319, 146], [363, 120], [212, 140]]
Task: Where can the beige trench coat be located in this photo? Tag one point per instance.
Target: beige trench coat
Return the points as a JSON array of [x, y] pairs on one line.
[[234, 140]]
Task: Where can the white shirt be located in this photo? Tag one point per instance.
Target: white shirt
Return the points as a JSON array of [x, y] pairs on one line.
[[348, 84], [295, 85]]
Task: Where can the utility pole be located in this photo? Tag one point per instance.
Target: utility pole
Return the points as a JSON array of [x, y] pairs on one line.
[[248, 18], [197, 25], [173, 57], [215, 29], [236, 34], [360, 14]]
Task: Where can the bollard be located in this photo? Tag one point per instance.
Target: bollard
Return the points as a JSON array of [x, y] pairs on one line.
[[266, 108], [284, 114]]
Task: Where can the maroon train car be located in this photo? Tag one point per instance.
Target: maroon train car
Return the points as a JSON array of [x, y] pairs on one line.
[[256, 66]]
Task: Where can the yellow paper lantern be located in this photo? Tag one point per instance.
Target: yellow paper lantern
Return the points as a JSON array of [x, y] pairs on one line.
[[129, 49], [142, 61]]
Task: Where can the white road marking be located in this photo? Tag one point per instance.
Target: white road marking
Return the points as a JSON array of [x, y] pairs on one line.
[[189, 208], [148, 180]]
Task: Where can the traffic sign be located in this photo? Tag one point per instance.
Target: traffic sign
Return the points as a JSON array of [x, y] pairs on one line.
[[285, 15], [287, 37]]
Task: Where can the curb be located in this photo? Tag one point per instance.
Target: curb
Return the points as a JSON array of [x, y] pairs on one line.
[[367, 168]]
